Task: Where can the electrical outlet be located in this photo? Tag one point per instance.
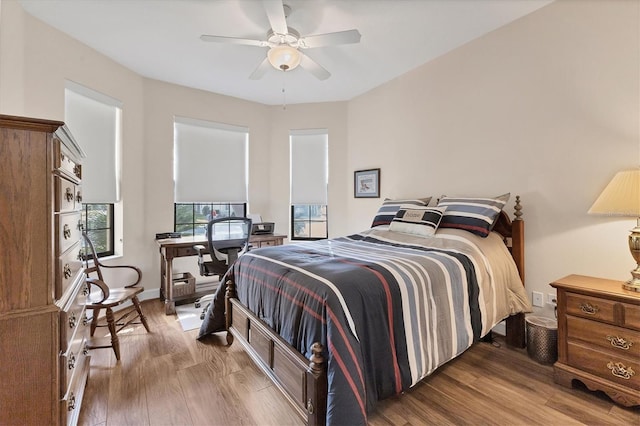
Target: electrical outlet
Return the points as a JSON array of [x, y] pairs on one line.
[[551, 299], [538, 299]]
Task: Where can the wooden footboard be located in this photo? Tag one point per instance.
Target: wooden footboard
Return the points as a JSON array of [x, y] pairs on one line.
[[302, 381]]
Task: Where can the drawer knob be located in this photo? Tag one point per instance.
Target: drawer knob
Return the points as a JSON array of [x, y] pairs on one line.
[[67, 271], [589, 309], [68, 194], [618, 369], [619, 342], [80, 225], [66, 231], [72, 320], [71, 404], [79, 197], [72, 361], [77, 170]]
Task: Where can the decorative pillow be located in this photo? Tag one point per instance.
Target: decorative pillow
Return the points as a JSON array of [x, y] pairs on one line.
[[417, 220], [476, 215], [389, 208]]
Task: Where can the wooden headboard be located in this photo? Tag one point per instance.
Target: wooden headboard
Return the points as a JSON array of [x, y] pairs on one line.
[[513, 233]]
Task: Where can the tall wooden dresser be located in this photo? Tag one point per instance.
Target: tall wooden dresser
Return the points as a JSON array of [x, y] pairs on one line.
[[44, 364]]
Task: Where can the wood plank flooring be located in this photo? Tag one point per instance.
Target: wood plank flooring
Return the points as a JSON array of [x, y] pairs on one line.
[[167, 377]]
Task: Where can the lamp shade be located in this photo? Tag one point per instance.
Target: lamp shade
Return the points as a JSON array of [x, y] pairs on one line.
[[284, 57], [621, 197]]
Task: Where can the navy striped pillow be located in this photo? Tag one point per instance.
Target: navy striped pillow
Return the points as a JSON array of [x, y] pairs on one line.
[[419, 220], [476, 215], [389, 208]]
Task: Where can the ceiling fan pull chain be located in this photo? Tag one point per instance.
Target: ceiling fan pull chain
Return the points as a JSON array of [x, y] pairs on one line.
[[284, 94]]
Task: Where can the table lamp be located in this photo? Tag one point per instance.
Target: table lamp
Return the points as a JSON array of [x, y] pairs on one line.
[[622, 198]]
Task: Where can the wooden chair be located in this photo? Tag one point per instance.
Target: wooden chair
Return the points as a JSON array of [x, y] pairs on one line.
[[108, 298]]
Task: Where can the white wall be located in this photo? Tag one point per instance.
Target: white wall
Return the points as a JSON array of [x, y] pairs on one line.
[[35, 60], [546, 108]]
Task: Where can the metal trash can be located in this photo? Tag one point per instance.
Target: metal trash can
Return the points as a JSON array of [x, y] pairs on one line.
[[542, 339]]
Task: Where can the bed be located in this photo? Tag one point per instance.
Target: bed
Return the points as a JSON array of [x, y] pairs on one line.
[[339, 324]]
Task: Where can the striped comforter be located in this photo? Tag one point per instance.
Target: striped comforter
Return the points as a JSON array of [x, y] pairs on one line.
[[388, 307]]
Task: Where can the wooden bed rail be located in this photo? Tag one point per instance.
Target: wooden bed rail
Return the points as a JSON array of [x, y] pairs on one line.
[[302, 381]]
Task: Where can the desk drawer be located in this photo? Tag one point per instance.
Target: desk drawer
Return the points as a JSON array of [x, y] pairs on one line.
[[186, 251]]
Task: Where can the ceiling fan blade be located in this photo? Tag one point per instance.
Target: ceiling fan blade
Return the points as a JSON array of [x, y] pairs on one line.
[[233, 40], [330, 39], [314, 68], [260, 70], [275, 13]]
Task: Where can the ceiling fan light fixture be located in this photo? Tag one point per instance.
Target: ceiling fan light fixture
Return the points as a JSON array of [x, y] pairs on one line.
[[284, 57]]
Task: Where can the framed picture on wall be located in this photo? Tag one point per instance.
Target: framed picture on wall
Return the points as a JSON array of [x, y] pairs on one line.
[[366, 183]]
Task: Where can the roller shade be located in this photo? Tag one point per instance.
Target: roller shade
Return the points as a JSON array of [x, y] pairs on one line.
[[309, 166], [210, 162], [94, 120]]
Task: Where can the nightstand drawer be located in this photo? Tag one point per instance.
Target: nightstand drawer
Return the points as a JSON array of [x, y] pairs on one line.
[[619, 369], [618, 340], [591, 307], [632, 316]]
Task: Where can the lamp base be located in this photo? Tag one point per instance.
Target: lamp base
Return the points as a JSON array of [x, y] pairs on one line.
[[634, 246], [632, 285]]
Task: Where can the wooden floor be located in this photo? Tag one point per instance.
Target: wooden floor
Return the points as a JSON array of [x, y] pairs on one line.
[[167, 377]]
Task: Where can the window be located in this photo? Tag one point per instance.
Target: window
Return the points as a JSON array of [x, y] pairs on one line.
[[210, 173], [95, 122], [192, 218], [98, 222], [309, 221], [309, 182]]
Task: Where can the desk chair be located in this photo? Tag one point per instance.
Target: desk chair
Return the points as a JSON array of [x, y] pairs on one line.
[[228, 239], [108, 298]]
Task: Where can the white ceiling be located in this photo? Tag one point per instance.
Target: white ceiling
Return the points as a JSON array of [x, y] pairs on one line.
[[159, 39]]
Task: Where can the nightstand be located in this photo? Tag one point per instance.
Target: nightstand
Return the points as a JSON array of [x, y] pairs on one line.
[[599, 337]]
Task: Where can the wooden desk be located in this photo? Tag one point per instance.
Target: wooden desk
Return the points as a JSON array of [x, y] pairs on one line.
[[180, 247]]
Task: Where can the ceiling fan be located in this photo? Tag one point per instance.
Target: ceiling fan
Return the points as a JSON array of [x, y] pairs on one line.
[[285, 43]]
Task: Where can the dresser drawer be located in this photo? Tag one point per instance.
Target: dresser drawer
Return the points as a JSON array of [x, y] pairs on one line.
[[68, 196], [591, 307], [618, 369], [64, 163], [616, 340], [71, 400], [70, 361], [68, 267], [73, 320], [68, 228]]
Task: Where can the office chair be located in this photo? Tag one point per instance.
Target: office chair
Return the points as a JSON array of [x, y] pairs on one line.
[[228, 239], [108, 298]]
